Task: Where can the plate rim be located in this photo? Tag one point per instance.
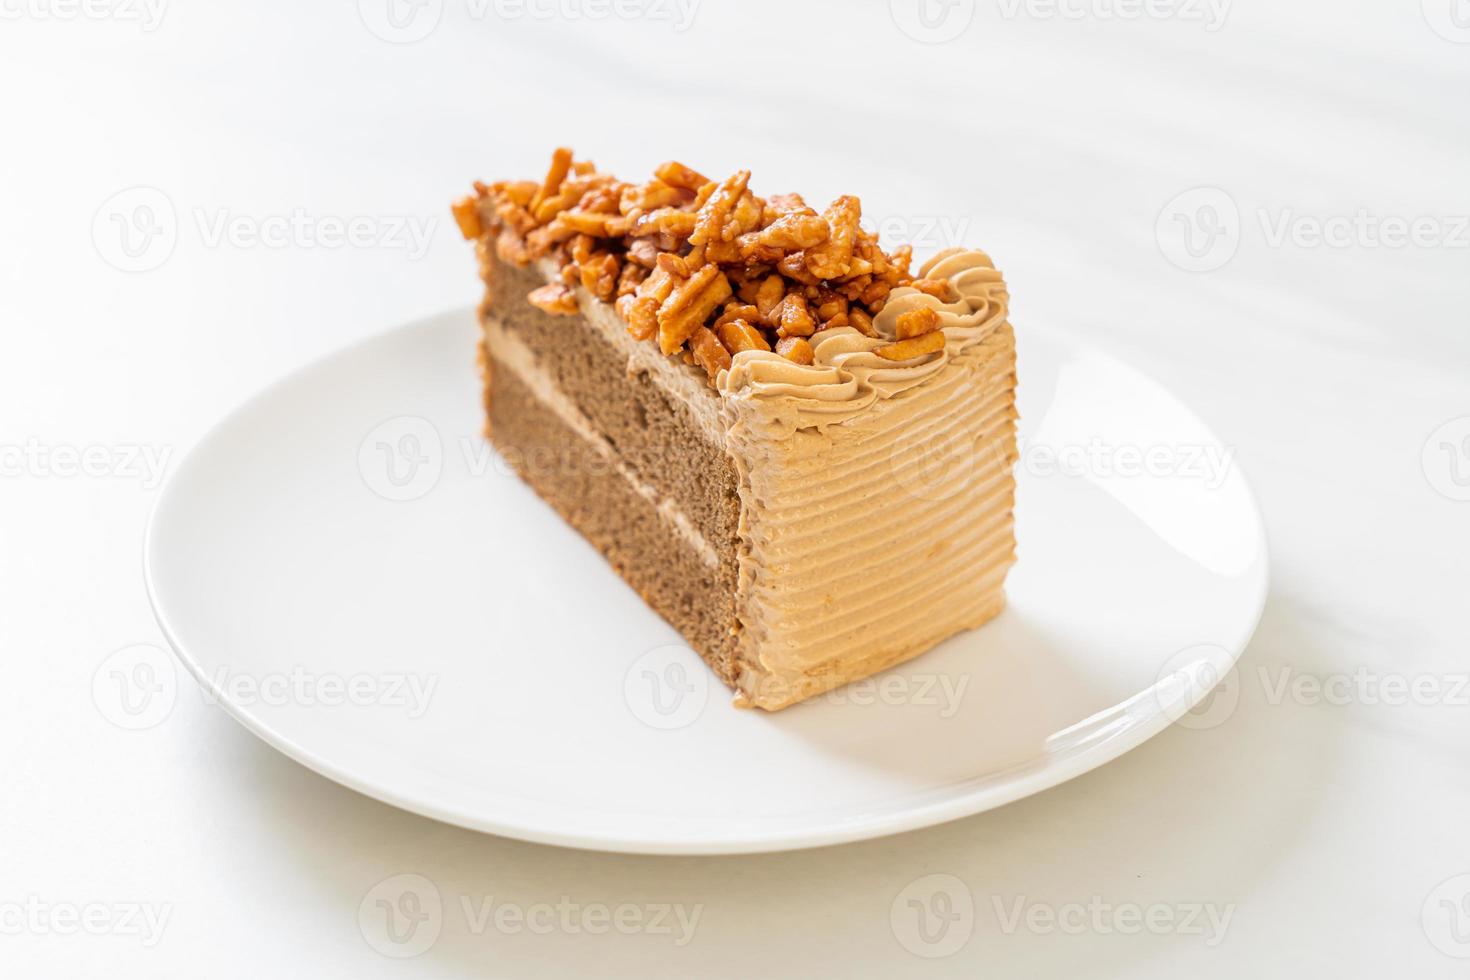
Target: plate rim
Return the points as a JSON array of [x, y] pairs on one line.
[[973, 801]]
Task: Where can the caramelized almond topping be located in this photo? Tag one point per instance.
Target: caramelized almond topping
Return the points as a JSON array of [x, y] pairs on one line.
[[704, 266], [795, 349], [708, 352], [511, 248], [467, 216], [672, 264], [928, 343], [561, 162], [795, 320], [916, 323], [678, 175], [555, 298], [769, 295], [832, 259], [737, 335], [941, 289], [676, 328]]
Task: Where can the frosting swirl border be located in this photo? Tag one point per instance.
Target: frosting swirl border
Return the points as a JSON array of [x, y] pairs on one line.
[[846, 376]]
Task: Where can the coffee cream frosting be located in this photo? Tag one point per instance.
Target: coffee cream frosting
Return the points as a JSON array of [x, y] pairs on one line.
[[877, 495]]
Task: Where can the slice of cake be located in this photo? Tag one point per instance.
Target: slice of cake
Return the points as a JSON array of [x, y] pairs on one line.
[[796, 450]]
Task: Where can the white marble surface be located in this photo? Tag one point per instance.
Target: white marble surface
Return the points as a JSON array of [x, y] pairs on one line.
[[1330, 828]]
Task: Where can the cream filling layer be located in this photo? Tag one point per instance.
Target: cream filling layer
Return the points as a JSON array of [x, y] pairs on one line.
[[513, 353]]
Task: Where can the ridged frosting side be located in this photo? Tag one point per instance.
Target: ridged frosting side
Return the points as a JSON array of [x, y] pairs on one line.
[[877, 495]]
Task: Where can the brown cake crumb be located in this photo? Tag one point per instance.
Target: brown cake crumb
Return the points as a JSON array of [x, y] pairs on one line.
[[703, 266]]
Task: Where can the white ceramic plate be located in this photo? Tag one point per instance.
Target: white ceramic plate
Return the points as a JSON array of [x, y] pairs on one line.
[[359, 580]]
